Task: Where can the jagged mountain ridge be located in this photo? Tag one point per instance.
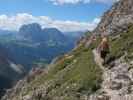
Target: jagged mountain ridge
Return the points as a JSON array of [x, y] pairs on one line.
[[76, 76], [32, 44]]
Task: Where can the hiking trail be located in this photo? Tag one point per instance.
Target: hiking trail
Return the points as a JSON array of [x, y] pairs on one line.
[[117, 81]]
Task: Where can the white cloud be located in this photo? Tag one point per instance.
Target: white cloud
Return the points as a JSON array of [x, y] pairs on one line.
[[15, 22], [106, 1], [61, 2]]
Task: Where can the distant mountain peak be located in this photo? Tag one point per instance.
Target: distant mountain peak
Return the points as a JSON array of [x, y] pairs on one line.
[[30, 31]]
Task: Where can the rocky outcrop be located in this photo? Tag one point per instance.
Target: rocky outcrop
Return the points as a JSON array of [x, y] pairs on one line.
[[22, 85], [117, 18], [117, 81]]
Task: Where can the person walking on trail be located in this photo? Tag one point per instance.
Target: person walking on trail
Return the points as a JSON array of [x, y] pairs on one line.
[[103, 48]]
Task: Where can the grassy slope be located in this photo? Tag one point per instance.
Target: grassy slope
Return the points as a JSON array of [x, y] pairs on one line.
[[77, 73]]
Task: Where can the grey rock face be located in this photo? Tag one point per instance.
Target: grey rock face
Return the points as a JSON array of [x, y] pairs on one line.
[[117, 19], [117, 82]]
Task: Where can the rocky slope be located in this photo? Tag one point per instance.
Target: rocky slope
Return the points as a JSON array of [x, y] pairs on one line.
[[117, 18], [79, 75], [117, 82]]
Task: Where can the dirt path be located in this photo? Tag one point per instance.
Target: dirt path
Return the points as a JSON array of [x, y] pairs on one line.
[[117, 82]]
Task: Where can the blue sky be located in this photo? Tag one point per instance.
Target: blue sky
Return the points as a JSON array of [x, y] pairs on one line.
[[62, 12]]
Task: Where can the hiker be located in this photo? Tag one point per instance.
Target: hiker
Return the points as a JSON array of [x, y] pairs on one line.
[[103, 48]]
